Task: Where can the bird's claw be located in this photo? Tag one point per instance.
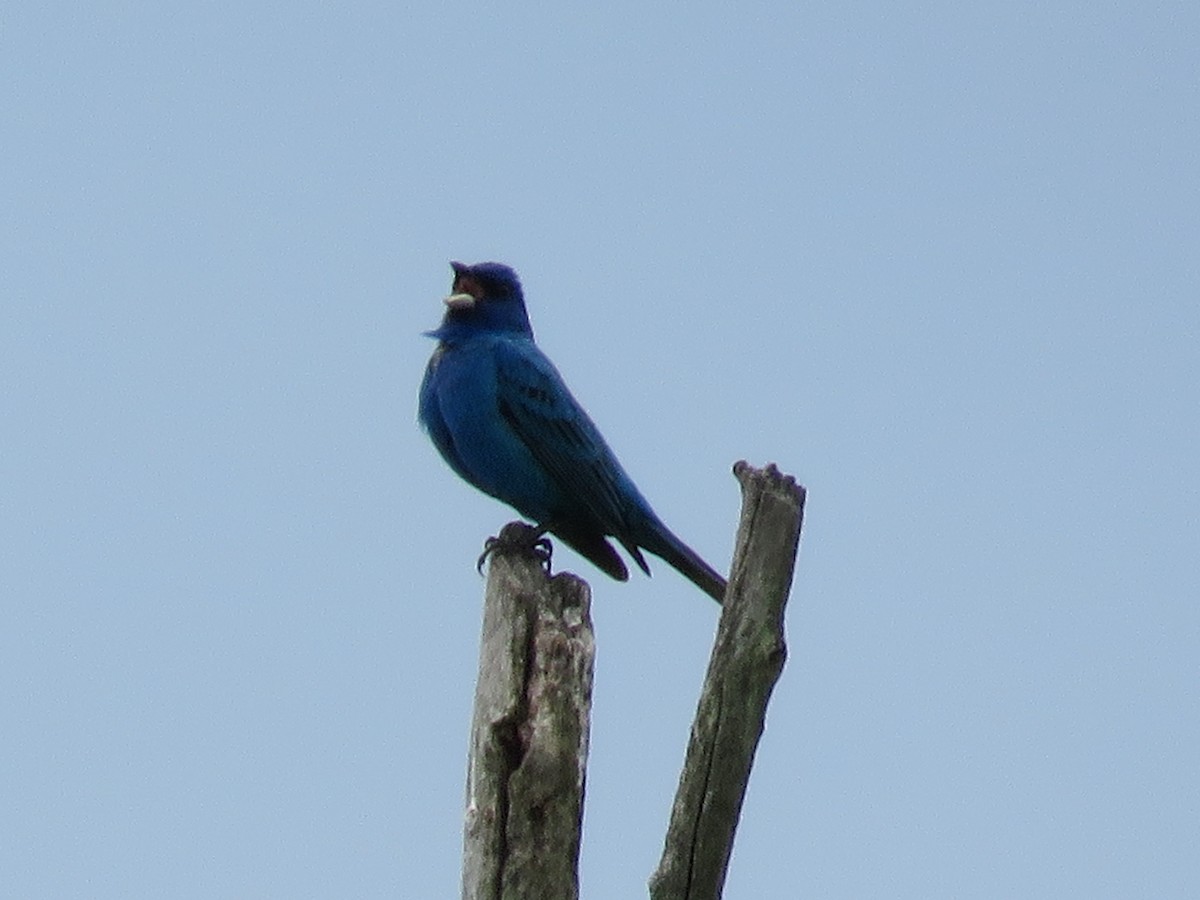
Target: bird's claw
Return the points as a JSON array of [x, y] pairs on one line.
[[522, 538], [542, 550]]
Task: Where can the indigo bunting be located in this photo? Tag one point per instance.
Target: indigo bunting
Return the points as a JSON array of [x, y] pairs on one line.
[[501, 416]]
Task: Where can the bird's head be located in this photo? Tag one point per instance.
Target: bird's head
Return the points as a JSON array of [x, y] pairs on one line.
[[485, 297]]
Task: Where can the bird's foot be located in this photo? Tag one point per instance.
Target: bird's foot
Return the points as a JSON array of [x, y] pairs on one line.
[[522, 538]]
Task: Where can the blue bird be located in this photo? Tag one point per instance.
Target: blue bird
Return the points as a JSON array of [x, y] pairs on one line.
[[501, 416]]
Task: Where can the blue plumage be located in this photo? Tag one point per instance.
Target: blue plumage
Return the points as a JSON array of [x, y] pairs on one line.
[[500, 414]]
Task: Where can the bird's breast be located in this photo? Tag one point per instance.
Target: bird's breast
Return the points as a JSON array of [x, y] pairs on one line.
[[435, 360]]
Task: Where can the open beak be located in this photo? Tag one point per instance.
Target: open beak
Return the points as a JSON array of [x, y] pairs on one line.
[[459, 301]]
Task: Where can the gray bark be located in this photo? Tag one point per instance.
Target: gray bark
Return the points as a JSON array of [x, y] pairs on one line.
[[529, 733], [746, 662]]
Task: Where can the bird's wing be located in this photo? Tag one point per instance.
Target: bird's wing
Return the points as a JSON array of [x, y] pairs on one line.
[[536, 404]]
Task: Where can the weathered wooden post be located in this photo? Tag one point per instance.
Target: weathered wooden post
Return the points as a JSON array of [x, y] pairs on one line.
[[747, 659], [529, 732]]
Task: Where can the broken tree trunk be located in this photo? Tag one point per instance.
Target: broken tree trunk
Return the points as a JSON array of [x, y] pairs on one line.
[[529, 731], [747, 659]]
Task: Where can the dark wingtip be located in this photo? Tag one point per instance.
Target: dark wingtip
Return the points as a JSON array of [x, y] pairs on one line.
[[633, 550], [597, 550]]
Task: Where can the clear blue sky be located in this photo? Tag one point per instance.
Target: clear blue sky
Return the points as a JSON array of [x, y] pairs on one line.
[[938, 261]]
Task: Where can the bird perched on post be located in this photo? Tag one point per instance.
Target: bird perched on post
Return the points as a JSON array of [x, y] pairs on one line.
[[501, 416]]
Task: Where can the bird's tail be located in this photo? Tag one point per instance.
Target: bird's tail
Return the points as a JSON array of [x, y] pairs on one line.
[[656, 538]]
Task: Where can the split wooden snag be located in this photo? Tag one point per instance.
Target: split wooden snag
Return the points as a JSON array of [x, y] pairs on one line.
[[529, 732]]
